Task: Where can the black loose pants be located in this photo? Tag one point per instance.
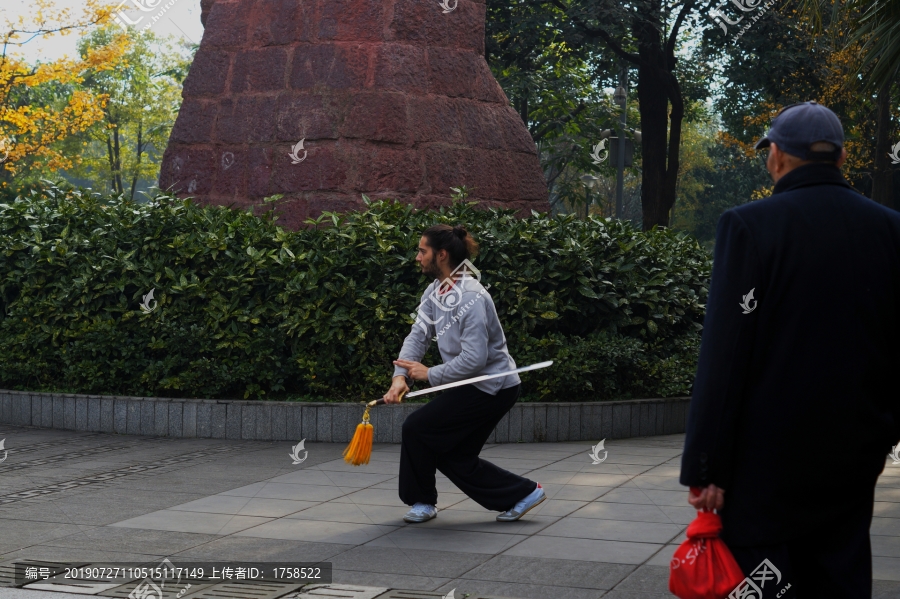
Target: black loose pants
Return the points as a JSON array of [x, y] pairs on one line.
[[447, 434], [833, 562]]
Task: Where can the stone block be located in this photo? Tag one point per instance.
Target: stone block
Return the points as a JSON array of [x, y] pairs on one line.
[[279, 422], [176, 418], [5, 408], [80, 413], [635, 420], [264, 422], [417, 22], [552, 429], [148, 418], [132, 415], [621, 421], [260, 70], [388, 168], [189, 419], [294, 422], [540, 423], [323, 424], [351, 20], [249, 417], [339, 415], [36, 403], [204, 419], [120, 422], [326, 167], [606, 421], [575, 422], [660, 416], [218, 421], [46, 404], [281, 22], [377, 117], [668, 418], [227, 24], [68, 413], [107, 415], [94, 414], [208, 74], [515, 424], [652, 426], [562, 422], [587, 420], [233, 419], [196, 124], [384, 430], [596, 422], [644, 419], [303, 115], [527, 411], [401, 68], [337, 66], [308, 424], [398, 417], [160, 417], [247, 118], [435, 119]]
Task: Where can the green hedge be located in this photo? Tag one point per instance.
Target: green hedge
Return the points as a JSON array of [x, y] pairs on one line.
[[247, 309]]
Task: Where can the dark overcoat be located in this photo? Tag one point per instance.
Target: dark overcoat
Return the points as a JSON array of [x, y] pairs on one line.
[[796, 402]]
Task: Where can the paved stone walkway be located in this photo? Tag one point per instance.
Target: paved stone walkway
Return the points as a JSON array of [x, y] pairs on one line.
[[608, 530]]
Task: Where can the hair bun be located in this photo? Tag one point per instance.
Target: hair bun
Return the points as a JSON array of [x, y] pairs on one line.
[[459, 231]]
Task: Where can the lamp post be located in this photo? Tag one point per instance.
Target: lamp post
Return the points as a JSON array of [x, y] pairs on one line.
[[590, 181], [621, 98]]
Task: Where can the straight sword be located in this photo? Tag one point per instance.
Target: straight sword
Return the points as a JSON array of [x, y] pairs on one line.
[[477, 379]]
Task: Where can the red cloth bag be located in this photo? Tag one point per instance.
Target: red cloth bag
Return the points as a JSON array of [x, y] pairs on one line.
[[703, 567]]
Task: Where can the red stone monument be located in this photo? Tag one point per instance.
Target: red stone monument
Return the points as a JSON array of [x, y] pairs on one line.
[[326, 100]]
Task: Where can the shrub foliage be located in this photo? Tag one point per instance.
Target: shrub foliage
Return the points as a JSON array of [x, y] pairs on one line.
[[248, 309]]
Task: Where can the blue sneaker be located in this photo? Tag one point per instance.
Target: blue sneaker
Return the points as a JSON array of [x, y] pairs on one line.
[[523, 507]]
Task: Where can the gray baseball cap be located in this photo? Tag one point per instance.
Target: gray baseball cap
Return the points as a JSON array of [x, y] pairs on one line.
[[798, 126]]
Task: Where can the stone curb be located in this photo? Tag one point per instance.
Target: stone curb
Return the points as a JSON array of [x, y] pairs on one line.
[[526, 422]]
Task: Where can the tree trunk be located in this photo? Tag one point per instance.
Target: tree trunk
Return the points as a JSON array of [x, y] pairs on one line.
[[660, 141], [654, 123], [137, 162], [882, 173], [118, 163]]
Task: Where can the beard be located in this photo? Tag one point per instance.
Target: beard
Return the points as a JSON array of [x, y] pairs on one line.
[[430, 269]]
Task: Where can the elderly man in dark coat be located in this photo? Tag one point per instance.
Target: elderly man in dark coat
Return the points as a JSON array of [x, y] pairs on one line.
[[796, 402]]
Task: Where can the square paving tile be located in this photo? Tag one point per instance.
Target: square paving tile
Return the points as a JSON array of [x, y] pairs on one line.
[[885, 526], [293, 491], [636, 512], [418, 562], [420, 536], [612, 530], [244, 506], [332, 478], [550, 572], [591, 550], [294, 529], [356, 513], [174, 520]]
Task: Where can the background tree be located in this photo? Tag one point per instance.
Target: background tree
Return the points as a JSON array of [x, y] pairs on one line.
[[144, 95], [785, 58], [873, 40], [41, 104]]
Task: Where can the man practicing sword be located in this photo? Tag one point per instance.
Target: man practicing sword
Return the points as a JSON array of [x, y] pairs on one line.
[[447, 433]]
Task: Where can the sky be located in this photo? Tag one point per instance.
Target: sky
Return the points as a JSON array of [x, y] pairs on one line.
[[181, 21]]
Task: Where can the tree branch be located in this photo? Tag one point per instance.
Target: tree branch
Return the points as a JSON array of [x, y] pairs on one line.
[[602, 34], [556, 122], [670, 44]]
